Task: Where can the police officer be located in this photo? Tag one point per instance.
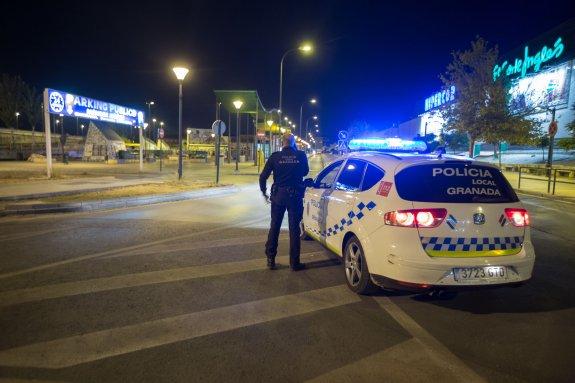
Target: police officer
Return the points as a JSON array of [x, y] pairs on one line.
[[289, 166]]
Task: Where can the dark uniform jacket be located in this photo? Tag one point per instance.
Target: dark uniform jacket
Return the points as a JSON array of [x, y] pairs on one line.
[[289, 166]]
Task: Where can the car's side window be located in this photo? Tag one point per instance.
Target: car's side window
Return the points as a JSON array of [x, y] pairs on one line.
[[373, 175], [350, 177], [326, 178]]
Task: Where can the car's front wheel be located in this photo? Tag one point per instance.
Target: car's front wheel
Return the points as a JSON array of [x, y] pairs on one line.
[[356, 272]]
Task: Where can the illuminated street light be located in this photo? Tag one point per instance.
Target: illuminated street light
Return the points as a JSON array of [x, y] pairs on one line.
[[312, 101], [238, 105], [306, 48], [270, 123], [17, 119], [180, 73], [188, 132]]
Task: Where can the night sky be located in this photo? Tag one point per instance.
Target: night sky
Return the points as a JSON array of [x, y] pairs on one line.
[[374, 61]]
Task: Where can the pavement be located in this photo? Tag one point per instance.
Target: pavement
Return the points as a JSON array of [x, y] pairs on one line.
[[178, 292]]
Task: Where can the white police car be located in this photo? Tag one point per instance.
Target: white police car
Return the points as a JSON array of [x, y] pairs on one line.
[[418, 221]]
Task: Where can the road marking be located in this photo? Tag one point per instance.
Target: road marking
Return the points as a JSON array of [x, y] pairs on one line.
[[442, 355], [407, 361], [40, 293], [71, 351], [16, 236], [178, 247], [124, 249]]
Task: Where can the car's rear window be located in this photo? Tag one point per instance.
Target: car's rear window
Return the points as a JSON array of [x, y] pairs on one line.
[[456, 182]]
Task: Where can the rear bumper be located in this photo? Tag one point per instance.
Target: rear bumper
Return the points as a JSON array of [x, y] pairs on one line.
[[438, 272]]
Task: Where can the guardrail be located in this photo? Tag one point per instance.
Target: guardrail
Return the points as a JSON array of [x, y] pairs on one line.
[[548, 175]]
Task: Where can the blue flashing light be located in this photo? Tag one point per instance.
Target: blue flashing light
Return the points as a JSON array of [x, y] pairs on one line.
[[387, 144]]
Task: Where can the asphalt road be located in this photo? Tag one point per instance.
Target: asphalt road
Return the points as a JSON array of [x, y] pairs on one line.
[[179, 292]]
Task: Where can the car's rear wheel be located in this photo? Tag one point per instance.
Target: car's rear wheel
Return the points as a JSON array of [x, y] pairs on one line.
[[302, 233], [356, 271]]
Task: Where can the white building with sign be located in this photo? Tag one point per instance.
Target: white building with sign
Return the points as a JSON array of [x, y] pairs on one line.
[[541, 78]]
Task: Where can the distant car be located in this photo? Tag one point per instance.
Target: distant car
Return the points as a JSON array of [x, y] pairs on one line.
[[419, 222]]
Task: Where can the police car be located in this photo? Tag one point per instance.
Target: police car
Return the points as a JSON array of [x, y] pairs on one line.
[[418, 222]]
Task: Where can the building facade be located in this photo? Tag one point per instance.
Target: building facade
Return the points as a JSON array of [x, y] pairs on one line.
[[540, 77]]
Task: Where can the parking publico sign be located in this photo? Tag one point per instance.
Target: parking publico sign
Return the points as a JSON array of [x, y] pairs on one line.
[[69, 104]]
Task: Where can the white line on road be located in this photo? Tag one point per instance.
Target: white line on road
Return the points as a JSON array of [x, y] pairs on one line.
[[407, 361], [13, 297], [67, 352], [124, 249], [186, 247], [441, 354]]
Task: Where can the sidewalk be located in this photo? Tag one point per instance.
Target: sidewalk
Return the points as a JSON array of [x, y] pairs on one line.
[[47, 188]]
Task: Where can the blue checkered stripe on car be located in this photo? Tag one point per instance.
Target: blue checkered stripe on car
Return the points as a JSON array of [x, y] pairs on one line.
[[352, 216], [471, 244]]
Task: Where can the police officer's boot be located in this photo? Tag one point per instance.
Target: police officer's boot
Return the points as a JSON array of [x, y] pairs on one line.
[[271, 263]]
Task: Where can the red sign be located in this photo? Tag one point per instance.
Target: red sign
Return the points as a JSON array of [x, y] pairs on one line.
[[553, 128], [384, 188], [161, 133]]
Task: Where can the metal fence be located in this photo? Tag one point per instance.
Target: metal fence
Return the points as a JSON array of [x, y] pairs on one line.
[[552, 176]]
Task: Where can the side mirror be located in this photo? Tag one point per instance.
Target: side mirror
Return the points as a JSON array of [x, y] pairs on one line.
[[308, 182]]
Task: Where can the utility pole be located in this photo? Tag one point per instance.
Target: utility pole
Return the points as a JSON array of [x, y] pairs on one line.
[[552, 132]]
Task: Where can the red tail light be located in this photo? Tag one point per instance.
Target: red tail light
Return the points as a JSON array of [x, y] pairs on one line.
[[415, 217], [518, 217]]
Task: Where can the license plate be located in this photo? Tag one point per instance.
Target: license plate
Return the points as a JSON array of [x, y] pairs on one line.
[[480, 273]]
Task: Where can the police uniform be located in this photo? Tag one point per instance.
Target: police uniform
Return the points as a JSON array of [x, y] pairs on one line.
[[289, 166]]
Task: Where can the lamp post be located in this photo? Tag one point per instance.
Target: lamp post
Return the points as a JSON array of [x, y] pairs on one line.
[[161, 145], [306, 48], [17, 119], [312, 101], [180, 73], [188, 132], [307, 123], [150, 103], [238, 104], [270, 123]]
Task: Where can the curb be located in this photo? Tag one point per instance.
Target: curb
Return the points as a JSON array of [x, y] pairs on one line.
[[64, 192], [550, 197], [117, 203]]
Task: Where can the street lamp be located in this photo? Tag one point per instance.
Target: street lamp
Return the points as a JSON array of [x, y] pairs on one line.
[[188, 132], [150, 103], [270, 123], [312, 101], [305, 48], [238, 104], [180, 73], [17, 118]]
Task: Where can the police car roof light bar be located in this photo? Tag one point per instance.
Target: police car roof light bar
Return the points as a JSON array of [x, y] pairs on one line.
[[387, 145]]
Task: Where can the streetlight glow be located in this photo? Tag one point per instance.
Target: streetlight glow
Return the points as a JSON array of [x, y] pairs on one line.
[[238, 104], [315, 117], [306, 48], [270, 123], [180, 73], [313, 100], [189, 130]]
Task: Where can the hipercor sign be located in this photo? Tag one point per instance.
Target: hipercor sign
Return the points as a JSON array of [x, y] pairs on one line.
[[69, 104]]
